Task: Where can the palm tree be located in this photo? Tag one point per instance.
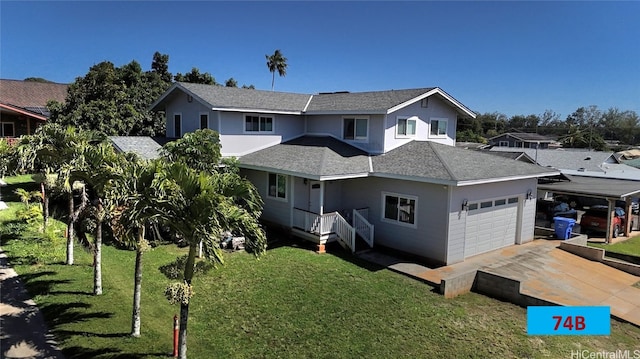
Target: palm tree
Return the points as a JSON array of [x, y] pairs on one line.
[[276, 62], [101, 166], [132, 206], [199, 208]]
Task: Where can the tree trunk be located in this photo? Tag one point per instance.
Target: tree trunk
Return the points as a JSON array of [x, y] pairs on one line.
[[182, 336], [70, 230], [184, 309], [137, 286], [45, 204], [97, 259]]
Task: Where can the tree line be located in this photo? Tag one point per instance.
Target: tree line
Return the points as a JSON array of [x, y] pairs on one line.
[[586, 127], [136, 203], [115, 100]]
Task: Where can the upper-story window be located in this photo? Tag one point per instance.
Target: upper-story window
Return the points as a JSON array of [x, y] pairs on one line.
[[258, 123], [177, 125], [438, 127], [204, 120], [503, 144], [355, 128], [406, 127]]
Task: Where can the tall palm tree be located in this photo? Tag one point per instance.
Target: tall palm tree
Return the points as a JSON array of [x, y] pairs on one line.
[[199, 208], [101, 166], [276, 62], [132, 203]]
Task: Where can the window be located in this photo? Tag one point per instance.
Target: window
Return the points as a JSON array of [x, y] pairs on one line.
[[177, 125], [204, 121], [439, 127], [355, 128], [399, 208], [503, 144], [8, 130], [254, 123], [473, 206], [486, 204], [277, 186], [500, 202], [513, 200], [406, 126]]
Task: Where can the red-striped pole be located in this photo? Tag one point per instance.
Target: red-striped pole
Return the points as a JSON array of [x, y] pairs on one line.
[[175, 336]]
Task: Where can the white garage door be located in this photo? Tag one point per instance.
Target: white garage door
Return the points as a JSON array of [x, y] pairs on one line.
[[490, 225]]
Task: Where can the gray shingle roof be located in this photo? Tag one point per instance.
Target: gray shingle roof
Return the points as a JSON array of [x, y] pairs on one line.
[[231, 98], [312, 156], [239, 98], [565, 159], [526, 137], [146, 147], [375, 101], [431, 160], [317, 157], [612, 188]]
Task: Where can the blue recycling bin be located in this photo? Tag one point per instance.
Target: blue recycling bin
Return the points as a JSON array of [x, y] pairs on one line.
[[563, 227]]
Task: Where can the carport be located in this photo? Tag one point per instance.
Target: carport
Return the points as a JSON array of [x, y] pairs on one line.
[[609, 189]]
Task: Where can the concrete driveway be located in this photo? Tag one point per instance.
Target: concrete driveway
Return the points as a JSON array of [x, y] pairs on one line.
[[542, 270]]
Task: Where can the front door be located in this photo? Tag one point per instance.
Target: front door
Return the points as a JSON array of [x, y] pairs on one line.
[[314, 197]]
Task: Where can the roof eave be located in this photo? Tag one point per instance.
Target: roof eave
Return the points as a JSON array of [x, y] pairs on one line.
[[504, 179], [311, 176], [22, 111]]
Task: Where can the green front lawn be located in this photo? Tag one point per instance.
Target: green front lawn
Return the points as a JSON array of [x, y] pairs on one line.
[[292, 303], [630, 246]]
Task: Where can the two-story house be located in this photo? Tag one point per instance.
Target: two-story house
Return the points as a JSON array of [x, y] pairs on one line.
[[378, 166]]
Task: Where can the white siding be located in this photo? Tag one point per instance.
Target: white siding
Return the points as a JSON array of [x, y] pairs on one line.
[[275, 210], [190, 113], [458, 216], [236, 142], [428, 240], [436, 109], [332, 125]]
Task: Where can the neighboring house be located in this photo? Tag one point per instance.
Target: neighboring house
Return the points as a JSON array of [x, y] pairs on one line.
[[521, 140], [377, 166], [146, 147], [578, 162], [23, 105]]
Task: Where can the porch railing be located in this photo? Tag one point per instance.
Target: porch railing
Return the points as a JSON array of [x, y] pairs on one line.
[[362, 225], [335, 223]]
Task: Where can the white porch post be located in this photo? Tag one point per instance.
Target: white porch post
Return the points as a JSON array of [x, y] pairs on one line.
[[321, 198], [291, 199]]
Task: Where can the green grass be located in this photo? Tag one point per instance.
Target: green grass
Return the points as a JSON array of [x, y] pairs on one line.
[[630, 246], [292, 303]]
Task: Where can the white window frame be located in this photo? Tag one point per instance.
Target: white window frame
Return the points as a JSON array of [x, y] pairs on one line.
[[503, 144], [355, 128], [200, 119], [398, 221], [173, 122], [437, 121], [286, 186], [260, 118], [414, 119], [13, 125]]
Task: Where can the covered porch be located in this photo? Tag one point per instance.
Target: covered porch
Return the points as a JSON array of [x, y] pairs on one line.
[[319, 214]]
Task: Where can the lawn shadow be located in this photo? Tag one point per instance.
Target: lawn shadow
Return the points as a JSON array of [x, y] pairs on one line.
[[78, 352]]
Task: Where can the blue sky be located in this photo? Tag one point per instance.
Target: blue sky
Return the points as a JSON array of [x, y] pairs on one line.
[[510, 57]]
